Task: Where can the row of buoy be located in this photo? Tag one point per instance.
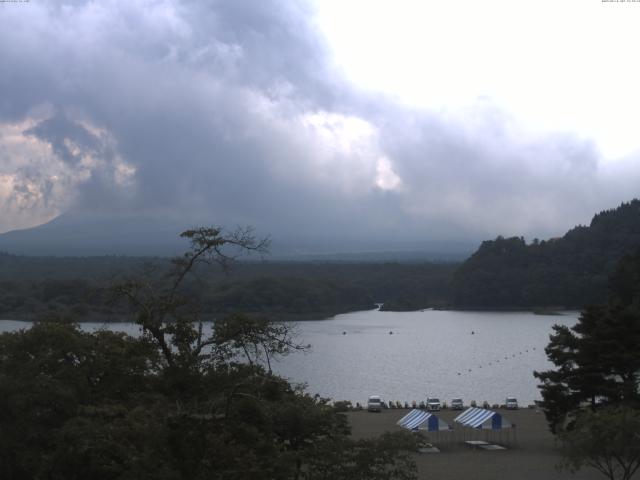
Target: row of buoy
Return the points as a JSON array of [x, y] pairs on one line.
[[390, 332], [479, 366], [507, 357]]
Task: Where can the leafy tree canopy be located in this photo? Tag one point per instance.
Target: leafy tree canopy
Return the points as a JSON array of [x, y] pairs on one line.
[[597, 360], [606, 440], [177, 402]]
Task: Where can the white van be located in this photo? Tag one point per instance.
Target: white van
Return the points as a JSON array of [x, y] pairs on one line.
[[374, 404], [511, 403], [433, 404]]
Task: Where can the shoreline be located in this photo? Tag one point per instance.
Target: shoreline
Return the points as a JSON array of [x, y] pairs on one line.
[[319, 316]]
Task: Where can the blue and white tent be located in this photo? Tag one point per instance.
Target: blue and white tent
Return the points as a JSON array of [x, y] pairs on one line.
[[421, 420], [482, 419]]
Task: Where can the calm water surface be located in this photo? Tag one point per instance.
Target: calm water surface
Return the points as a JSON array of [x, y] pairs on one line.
[[430, 353]]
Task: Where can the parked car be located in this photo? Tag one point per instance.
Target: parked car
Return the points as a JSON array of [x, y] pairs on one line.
[[433, 404], [511, 403], [374, 404], [456, 404]]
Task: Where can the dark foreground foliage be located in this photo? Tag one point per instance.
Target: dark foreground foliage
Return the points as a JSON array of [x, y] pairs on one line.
[[76, 405], [591, 399], [176, 402], [607, 439], [597, 360]]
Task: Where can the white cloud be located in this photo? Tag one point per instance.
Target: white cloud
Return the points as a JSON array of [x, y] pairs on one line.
[[554, 65], [38, 183], [386, 178]]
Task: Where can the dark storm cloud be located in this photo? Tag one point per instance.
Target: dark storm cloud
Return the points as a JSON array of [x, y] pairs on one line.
[[58, 131], [231, 111]]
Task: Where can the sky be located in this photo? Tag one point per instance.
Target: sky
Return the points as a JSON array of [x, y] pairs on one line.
[[338, 121]]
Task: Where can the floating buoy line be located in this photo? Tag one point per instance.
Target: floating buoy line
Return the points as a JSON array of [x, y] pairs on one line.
[[489, 364]]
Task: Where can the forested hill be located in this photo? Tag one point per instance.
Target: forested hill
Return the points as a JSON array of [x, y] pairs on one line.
[[79, 287], [569, 272]]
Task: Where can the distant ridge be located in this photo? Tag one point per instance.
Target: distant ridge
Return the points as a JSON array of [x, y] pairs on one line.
[[83, 234], [568, 272], [94, 235]]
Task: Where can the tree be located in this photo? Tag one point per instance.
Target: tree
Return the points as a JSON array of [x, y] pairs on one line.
[[176, 402], [56, 381], [256, 338], [161, 302], [607, 440], [597, 360], [591, 400]]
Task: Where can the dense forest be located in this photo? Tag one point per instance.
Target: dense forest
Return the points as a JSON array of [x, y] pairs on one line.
[[567, 272], [79, 288], [505, 273]]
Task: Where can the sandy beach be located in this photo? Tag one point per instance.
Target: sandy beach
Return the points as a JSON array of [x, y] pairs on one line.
[[531, 455]]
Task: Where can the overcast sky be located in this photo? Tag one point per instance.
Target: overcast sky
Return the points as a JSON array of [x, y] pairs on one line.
[[399, 120]]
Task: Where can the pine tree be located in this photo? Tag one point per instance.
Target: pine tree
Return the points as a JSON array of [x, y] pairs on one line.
[[598, 359]]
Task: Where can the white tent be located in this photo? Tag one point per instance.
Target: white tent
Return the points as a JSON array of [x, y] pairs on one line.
[[482, 419], [421, 420]]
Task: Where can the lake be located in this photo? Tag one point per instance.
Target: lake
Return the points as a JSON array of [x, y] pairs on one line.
[[446, 354]]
